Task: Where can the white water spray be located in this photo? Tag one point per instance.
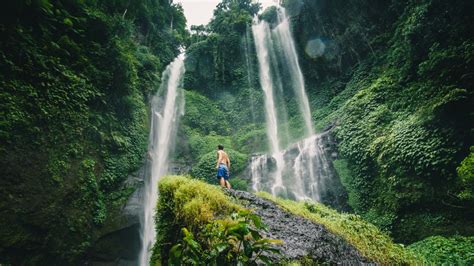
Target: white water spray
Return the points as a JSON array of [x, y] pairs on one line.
[[306, 170], [298, 175], [284, 37], [167, 106], [262, 37]]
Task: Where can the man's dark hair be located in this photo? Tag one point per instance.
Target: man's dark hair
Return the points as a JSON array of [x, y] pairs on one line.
[[220, 147]]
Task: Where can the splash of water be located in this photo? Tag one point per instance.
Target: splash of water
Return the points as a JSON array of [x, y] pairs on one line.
[[306, 170], [167, 107]]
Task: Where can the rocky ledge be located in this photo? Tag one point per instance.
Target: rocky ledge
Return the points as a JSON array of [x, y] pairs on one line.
[[302, 237]]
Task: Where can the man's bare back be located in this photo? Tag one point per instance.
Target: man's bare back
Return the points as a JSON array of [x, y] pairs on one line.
[[223, 167], [223, 158]]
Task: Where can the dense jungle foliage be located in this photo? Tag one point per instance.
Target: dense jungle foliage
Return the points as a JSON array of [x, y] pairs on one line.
[[395, 77], [401, 94], [75, 81]]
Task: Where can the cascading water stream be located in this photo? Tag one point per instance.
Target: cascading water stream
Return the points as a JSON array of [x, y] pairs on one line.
[[298, 176], [262, 37], [167, 106], [307, 170], [284, 37]]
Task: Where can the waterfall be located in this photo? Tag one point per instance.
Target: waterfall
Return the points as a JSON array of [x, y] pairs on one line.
[[307, 172], [262, 38], [166, 108], [271, 62], [285, 39]]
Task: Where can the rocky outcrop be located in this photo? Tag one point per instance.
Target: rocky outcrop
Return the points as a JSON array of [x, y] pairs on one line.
[[119, 240], [302, 238], [307, 172]]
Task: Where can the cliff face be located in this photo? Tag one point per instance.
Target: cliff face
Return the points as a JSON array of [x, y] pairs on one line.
[[395, 77], [75, 79]]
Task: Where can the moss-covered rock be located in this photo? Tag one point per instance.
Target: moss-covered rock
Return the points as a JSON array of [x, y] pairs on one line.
[[364, 236], [186, 202], [190, 203]]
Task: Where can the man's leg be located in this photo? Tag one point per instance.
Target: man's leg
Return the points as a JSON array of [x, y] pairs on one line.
[[227, 184], [222, 182]]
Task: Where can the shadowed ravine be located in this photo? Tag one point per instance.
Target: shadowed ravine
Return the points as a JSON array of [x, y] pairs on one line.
[[302, 238]]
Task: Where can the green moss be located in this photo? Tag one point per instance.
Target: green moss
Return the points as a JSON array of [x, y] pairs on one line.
[[365, 237], [186, 202], [466, 176], [75, 82]]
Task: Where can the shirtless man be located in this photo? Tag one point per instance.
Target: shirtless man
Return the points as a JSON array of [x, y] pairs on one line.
[[223, 166]]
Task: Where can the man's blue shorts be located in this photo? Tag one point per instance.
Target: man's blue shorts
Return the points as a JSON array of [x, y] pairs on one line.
[[222, 171]]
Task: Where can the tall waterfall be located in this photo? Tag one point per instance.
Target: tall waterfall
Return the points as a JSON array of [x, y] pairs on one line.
[[167, 107], [284, 37], [299, 178], [262, 37]]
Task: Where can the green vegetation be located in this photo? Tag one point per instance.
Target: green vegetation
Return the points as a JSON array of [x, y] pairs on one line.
[[234, 241], [466, 176], [400, 93], [75, 77], [394, 77], [365, 237], [224, 103], [440, 250], [190, 203]]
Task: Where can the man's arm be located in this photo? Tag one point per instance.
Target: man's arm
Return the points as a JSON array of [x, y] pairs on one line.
[[228, 162]]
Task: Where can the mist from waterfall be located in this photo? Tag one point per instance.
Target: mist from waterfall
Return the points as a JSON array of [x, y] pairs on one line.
[[290, 176], [166, 108], [306, 171]]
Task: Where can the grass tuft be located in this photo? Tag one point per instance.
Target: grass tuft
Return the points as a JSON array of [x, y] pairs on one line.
[[186, 202]]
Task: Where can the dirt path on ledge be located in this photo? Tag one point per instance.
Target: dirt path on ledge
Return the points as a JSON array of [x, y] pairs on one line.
[[302, 237]]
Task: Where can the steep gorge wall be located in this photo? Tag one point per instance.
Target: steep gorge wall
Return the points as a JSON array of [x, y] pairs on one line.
[[75, 80], [396, 78]]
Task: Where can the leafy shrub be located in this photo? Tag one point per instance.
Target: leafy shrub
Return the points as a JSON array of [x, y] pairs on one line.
[[204, 115], [239, 184], [457, 250], [232, 241], [466, 176], [201, 144]]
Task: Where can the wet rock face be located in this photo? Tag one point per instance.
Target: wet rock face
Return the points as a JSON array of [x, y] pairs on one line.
[[302, 238], [307, 172], [119, 240]]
